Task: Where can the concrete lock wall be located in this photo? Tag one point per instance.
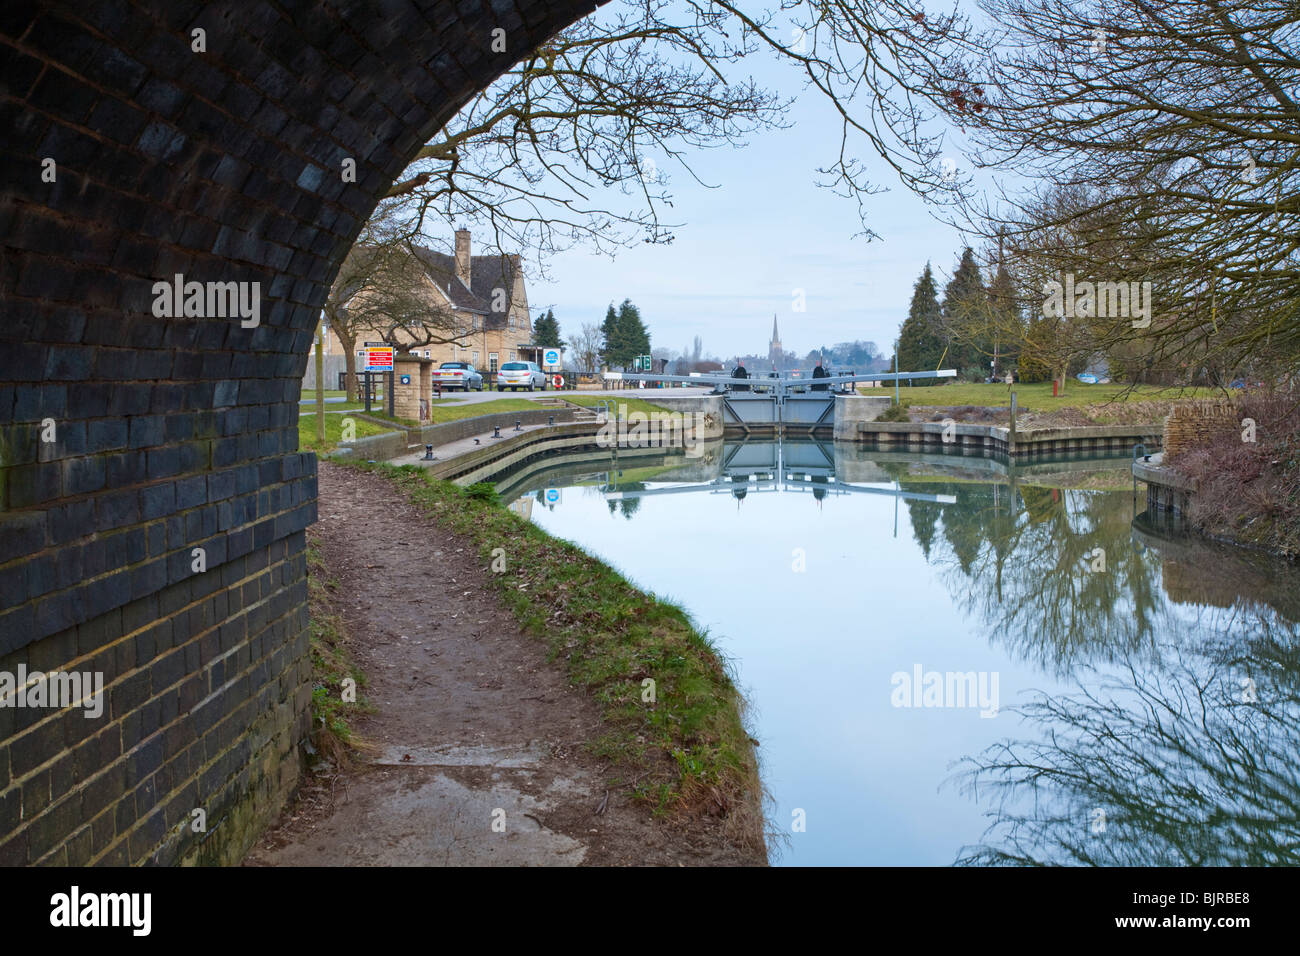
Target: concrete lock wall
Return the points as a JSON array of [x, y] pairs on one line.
[[215, 141], [852, 409]]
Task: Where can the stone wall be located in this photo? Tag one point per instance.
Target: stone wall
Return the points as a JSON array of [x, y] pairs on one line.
[[1191, 423]]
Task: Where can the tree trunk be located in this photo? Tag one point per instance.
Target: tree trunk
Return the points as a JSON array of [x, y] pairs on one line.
[[350, 383]]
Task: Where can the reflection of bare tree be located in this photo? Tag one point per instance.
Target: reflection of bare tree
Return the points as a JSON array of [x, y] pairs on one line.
[[1028, 568], [1197, 763]]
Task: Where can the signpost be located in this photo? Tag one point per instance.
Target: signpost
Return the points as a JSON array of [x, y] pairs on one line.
[[378, 357], [551, 360]]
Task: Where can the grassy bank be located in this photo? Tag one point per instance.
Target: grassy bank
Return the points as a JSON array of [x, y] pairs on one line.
[[454, 413], [683, 748], [632, 404], [333, 431], [331, 663], [1037, 396]]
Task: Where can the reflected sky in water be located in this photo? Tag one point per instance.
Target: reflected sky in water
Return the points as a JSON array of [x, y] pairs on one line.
[[1147, 690]]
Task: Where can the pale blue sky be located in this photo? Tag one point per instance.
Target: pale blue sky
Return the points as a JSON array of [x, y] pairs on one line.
[[767, 230]]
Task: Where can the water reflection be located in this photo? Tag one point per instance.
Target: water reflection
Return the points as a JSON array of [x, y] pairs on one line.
[[1186, 753], [1167, 732]]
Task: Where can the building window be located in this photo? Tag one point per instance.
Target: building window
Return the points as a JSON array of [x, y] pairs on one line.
[[475, 360], [492, 362]]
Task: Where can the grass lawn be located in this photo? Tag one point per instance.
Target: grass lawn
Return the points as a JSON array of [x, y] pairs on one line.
[[309, 395], [333, 431], [633, 404], [1036, 396], [454, 413]]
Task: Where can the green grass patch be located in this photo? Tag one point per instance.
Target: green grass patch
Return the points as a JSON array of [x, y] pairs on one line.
[[309, 394], [631, 404], [332, 665], [333, 431], [1038, 395], [688, 749], [454, 413]]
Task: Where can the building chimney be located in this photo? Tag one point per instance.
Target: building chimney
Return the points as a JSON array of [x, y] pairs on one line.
[[462, 256]]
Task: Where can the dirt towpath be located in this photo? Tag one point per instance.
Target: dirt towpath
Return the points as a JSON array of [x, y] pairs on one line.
[[477, 740]]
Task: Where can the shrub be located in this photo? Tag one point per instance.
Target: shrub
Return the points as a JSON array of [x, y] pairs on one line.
[[483, 491], [894, 413]]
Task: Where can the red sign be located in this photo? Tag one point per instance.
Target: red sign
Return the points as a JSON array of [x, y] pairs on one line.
[[378, 359]]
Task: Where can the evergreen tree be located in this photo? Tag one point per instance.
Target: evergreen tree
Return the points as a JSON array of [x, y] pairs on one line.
[[965, 317], [546, 331], [919, 345], [633, 338], [611, 349]]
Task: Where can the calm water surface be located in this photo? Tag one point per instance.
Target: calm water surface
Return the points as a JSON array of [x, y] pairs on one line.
[[1146, 684]]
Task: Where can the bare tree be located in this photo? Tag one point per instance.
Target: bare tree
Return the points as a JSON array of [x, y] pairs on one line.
[[382, 289], [587, 345], [604, 108], [1173, 127]]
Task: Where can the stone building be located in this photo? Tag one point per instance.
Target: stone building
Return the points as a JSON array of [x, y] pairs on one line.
[[488, 299]]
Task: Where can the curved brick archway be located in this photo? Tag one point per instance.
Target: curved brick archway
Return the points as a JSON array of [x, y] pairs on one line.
[[167, 434]]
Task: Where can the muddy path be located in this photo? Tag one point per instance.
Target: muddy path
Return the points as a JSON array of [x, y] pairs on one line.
[[475, 743]]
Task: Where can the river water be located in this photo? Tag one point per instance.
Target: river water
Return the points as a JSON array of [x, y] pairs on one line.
[[951, 662]]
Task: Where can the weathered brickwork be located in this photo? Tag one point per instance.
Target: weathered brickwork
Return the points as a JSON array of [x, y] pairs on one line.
[[128, 440]]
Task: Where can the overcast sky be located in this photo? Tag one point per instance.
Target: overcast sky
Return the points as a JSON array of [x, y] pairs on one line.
[[767, 230]]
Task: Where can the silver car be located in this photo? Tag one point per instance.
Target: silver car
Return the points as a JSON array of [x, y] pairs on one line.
[[517, 375], [459, 375]]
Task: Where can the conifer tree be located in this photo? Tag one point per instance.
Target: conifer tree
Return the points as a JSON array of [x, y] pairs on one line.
[[919, 345]]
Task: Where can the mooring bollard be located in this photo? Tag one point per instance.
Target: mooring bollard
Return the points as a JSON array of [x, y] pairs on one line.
[[496, 431], [550, 419], [428, 454], [519, 425]]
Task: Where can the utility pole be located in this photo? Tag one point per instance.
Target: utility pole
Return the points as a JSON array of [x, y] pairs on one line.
[[320, 382], [896, 398]]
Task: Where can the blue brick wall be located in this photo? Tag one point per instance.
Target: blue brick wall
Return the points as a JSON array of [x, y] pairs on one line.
[[172, 434]]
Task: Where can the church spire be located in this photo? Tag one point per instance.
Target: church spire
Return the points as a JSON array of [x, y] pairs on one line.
[[775, 335]]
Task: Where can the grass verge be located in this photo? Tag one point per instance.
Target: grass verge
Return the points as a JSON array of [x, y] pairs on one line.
[[333, 431], [1037, 396], [632, 404], [452, 413], [674, 720], [332, 665]]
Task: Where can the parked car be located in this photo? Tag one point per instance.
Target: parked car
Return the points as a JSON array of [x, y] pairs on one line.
[[459, 375], [517, 375]]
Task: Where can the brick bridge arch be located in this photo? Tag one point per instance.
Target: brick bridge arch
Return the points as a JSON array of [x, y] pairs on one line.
[[128, 439]]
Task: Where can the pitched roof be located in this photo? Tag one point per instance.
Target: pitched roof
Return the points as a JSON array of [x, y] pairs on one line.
[[486, 274], [441, 270]]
